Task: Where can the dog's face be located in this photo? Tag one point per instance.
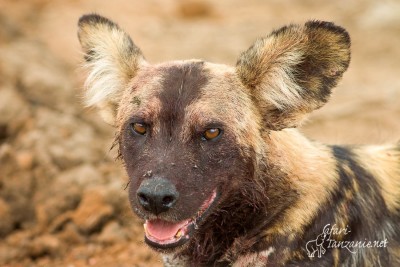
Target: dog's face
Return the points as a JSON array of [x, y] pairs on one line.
[[180, 132], [192, 134]]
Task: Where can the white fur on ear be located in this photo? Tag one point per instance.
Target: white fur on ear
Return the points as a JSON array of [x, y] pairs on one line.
[[112, 60], [278, 85]]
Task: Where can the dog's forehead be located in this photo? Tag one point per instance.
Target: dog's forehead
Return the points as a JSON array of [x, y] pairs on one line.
[[168, 89], [181, 78]]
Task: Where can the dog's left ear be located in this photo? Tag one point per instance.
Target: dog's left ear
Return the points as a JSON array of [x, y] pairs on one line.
[[292, 71]]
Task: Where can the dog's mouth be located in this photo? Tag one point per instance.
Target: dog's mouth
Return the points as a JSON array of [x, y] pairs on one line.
[[162, 234]]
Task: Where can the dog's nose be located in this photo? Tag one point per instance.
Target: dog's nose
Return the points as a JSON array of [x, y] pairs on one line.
[[157, 195]]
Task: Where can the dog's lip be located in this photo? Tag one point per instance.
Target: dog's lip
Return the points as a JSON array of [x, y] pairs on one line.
[[164, 235]]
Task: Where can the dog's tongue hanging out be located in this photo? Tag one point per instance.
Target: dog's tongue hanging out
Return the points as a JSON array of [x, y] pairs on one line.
[[163, 230]]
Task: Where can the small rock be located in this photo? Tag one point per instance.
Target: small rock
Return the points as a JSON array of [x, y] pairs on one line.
[[58, 200], [24, 160], [8, 254], [60, 222], [70, 234], [19, 239], [112, 233], [92, 213], [44, 245]]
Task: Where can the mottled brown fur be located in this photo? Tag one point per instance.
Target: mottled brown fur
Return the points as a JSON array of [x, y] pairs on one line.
[[292, 71], [276, 190]]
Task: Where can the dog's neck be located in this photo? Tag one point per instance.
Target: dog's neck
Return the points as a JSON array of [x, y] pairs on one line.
[[333, 189], [310, 186]]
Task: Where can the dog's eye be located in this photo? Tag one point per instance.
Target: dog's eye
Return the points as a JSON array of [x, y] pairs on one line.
[[139, 128], [211, 134]]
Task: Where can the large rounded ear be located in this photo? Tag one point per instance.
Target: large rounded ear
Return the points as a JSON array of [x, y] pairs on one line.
[[292, 71], [112, 60]]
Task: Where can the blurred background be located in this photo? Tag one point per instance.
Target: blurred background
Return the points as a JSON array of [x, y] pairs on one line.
[[62, 197]]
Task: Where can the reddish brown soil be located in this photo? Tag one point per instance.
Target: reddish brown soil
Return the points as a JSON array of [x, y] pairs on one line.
[[62, 197]]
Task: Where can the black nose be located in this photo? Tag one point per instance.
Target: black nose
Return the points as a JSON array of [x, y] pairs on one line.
[[157, 195]]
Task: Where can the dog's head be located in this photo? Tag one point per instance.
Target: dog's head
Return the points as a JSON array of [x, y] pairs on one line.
[[191, 133]]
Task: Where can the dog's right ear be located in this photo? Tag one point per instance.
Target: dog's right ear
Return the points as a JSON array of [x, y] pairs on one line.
[[112, 60]]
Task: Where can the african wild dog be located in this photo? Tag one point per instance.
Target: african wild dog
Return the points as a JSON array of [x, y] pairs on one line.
[[217, 170]]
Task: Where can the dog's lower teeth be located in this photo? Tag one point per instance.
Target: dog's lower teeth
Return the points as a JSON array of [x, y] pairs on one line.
[[179, 233]]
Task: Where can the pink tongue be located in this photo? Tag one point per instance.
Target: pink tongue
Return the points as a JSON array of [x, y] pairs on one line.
[[163, 230]]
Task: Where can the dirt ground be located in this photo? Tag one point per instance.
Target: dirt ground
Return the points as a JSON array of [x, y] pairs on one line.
[[62, 197]]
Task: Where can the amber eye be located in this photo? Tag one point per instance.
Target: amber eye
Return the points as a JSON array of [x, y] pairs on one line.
[[211, 134], [139, 128]]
